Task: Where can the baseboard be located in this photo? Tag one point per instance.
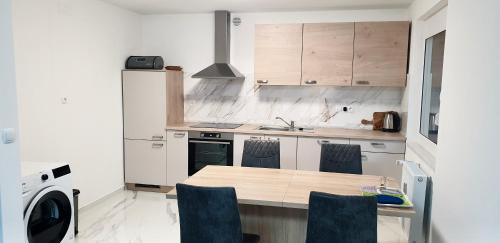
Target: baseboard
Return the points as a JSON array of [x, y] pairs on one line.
[[90, 205], [148, 188]]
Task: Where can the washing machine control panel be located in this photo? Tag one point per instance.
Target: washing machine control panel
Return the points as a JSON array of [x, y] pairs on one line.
[[34, 181]]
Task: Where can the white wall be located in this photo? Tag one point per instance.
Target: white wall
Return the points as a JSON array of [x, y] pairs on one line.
[[74, 49], [188, 39], [466, 199], [11, 217]]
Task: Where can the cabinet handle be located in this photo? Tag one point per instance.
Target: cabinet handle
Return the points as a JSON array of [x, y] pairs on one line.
[[363, 82], [380, 145], [262, 81], [179, 134], [311, 82], [158, 137], [157, 145], [321, 142]]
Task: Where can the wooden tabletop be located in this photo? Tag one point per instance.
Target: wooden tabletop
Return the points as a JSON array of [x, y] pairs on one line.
[[286, 188]]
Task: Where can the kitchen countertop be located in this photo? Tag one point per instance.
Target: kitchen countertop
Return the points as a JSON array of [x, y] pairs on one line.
[[317, 132]]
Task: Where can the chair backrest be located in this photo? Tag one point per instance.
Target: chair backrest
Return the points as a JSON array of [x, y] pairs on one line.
[[341, 158], [342, 219], [261, 153], [208, 214]]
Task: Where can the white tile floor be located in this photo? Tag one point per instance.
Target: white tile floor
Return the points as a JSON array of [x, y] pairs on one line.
[[144, 217]]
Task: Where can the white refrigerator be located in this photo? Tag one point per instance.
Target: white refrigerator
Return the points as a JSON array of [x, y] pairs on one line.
[[144, 121]]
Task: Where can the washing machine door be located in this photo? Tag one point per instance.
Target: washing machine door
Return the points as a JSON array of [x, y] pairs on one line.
[[48, 217]]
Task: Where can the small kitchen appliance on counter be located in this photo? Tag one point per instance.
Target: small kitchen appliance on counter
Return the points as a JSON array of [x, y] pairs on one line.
[[144, 62], [392, 122]]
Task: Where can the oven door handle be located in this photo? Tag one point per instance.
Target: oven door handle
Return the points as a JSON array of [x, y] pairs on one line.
[[209, 142]]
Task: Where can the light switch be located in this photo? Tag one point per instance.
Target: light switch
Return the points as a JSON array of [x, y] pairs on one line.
[[8, 135]]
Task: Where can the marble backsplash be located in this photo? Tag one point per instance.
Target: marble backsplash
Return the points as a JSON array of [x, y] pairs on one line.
[[241, 102]]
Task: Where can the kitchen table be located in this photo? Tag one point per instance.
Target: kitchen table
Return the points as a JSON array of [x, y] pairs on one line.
[[273, 202]]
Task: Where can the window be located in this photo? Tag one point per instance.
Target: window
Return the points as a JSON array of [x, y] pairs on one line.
[[431, 87]]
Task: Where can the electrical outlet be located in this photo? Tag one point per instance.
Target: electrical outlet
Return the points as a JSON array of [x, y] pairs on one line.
[[344, 108], [8, 135]]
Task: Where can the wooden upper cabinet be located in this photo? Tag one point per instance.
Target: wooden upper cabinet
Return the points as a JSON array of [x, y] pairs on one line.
[[327, 54], [278, 54], [380, 53]]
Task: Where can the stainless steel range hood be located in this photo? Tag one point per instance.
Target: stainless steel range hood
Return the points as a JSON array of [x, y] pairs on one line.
[[221, 69]]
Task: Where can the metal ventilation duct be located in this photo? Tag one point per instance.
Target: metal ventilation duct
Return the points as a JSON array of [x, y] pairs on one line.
[[221, 69]]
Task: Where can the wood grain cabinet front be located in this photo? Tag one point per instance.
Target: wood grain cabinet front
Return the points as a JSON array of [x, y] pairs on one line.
[[278, 54], [380, 53], [327, 55]]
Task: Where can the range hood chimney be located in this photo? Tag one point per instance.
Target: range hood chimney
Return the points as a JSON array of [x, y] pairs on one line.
[[221, 69]]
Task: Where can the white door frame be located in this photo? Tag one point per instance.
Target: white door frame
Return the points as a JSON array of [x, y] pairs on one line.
[[11, 217]]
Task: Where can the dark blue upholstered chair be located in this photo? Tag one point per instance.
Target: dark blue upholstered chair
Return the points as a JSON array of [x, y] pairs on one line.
[[210, 215], [341, 219], [341, 158], [261, 153]]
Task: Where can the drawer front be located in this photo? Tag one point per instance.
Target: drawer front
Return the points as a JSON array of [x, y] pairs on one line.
[[379, 146]]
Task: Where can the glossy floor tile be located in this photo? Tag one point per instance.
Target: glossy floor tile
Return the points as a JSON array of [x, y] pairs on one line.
[[145, 217]]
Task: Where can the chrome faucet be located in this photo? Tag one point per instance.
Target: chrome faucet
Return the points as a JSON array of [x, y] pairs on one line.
[[291, 124]]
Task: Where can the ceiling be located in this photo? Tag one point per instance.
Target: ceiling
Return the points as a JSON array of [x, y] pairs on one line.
[[200, 6]]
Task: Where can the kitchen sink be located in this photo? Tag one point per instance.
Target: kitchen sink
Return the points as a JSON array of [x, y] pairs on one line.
[[278, 128], [273, 128]]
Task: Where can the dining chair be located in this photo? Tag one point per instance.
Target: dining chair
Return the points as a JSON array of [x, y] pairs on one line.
[[341, 158], [210, 214], [261, 153], [341, 219]]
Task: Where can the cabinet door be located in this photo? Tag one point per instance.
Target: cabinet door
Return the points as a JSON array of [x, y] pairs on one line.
[[380, 53], [328, 53], [278, 54], [177, 157], [379, 146], [288, 151], [382, 164], [238, 143], [309, 152], [146, 162], [144, 105]]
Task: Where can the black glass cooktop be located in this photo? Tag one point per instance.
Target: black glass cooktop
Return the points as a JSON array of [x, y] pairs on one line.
[[217, 125]]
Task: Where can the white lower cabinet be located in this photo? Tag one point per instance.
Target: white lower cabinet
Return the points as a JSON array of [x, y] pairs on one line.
[[145, 162], [238, 143], [309, 151], [288, 151], [177, 157], [288, 148], [382, 164]]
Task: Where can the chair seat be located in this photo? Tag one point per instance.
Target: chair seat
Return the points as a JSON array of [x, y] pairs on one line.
[[251, 238]]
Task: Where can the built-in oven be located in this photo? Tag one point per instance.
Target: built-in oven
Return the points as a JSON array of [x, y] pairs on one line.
[[209, 148]]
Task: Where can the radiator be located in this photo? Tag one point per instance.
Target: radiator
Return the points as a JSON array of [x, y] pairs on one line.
[[417, 185]]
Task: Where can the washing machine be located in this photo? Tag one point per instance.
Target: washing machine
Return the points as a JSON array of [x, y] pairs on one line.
[[48, 202]]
